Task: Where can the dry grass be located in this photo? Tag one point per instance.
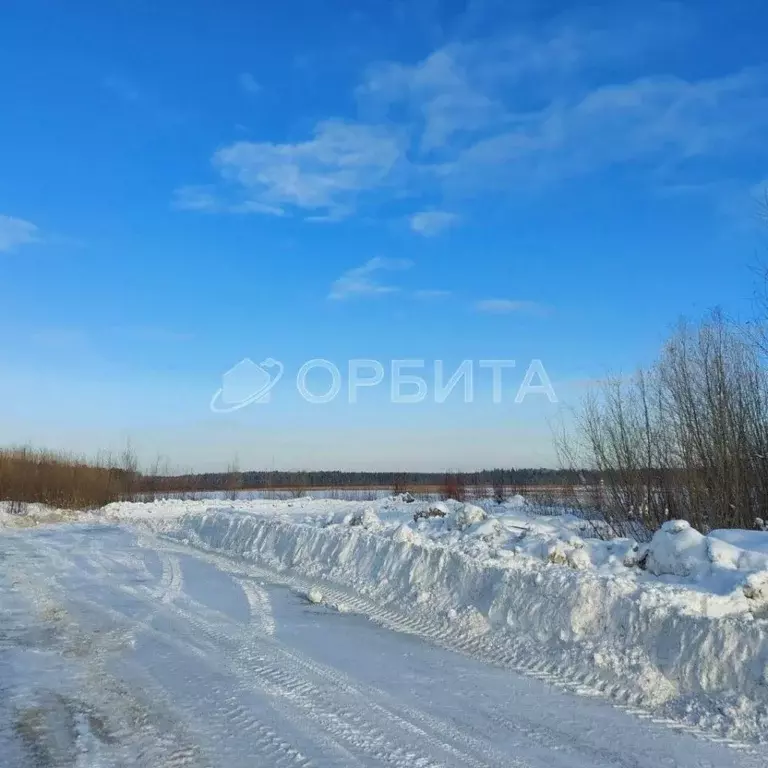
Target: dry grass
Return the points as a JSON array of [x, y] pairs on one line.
[[58, 480]]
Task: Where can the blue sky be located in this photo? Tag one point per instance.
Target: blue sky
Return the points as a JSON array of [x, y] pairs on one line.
[[184, 185]]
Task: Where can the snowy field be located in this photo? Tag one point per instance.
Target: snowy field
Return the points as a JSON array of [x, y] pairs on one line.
[[320, 632]]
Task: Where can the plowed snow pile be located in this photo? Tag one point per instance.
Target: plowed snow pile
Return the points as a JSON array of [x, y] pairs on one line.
[[677, 627]]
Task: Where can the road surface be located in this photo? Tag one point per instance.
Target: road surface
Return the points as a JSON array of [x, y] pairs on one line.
[[118, 648]]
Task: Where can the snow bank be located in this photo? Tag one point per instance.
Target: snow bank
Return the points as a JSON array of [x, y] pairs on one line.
[[528, 592], [716, 566], [28, 515]]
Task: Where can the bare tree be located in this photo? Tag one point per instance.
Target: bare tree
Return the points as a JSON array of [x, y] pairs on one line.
[[234, 479], [687, 438]]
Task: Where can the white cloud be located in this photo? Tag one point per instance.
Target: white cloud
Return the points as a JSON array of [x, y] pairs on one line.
[[661, 121], [517, 109], [324, 174], [431, 293], [254, 206], [437, 90], [362, 280], [249, 83], [506, 113], [466, 88], [196, 198], [430, 223], [15, 232], [509, 306]]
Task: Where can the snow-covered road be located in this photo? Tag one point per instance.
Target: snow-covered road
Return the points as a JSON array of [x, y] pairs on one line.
[[118, 648]]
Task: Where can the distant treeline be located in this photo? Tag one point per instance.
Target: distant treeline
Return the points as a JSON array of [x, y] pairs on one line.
[[64, 480], [223, 481]]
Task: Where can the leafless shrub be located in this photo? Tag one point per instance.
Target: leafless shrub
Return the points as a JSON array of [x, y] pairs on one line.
[[687, 438], [298, 490], [454, 487], [233, 481], [16, 507], [399, 485], [129, 466], [58, 480]]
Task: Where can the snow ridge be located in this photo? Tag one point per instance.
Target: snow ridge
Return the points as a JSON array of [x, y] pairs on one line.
[[594, 633]]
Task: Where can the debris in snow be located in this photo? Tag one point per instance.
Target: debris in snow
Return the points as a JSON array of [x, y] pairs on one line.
[[436, 509], [756, 586], [632, 554], [315, 595], [557, 553]]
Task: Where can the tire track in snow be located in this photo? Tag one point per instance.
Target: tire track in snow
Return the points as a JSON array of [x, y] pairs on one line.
[[261, 664], [416, 722], [266, 742], [145, 734], [261, 618], [513, 653], [266, 747], [280, 693], [264, 627], [419, 723]]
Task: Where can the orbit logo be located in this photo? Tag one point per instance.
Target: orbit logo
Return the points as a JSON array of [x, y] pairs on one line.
[[247, 383], [410, 381]]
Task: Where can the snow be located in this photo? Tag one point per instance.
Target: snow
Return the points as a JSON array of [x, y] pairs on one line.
[[121, 648], [677, 549], [716, 566], [677, 627], [464, 516], [315, 595]]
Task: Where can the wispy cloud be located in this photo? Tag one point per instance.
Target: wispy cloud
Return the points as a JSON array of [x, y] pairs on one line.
[[505, 113], [323, 175], [207, 199], [364, 280], [431, 223], [438, 93], [510, 306], [16, 232], [662, 121], [468, 87], [431, 293], [249, 83], [196, 198]]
